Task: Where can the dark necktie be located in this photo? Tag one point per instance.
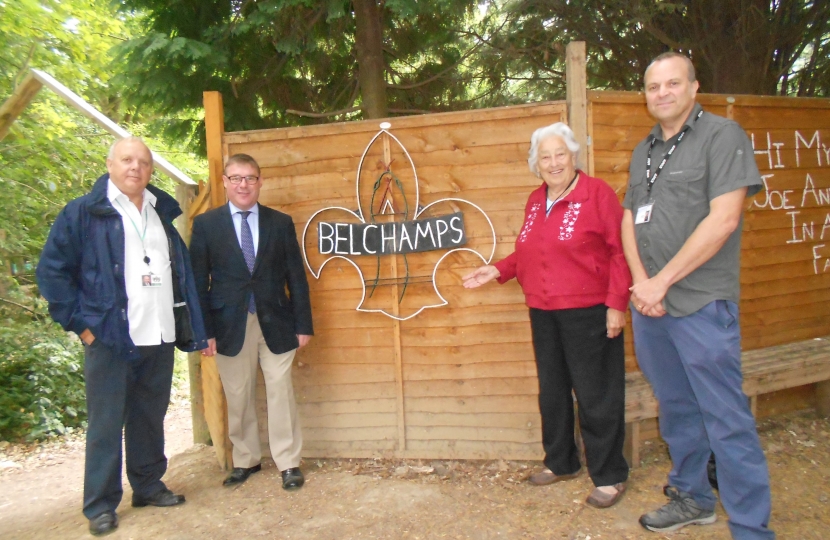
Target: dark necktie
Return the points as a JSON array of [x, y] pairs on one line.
[[248, 252]]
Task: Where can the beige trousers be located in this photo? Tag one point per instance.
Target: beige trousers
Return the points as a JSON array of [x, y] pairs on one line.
[[239, 378]]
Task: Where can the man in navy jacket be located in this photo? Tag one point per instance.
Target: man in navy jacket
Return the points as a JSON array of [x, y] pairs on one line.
[[115, 271]]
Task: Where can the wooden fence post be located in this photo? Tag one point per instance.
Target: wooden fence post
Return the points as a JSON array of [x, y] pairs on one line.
[[201, 435], [215, 407], [13, 106], [214, 129], [577, 97]]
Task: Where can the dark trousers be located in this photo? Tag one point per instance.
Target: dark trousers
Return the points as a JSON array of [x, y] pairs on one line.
[[573, 352], [133, 396]]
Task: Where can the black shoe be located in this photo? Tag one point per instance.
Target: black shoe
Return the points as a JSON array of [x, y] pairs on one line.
[[240, 474], [103, 523], [292, 478], [162, 497]]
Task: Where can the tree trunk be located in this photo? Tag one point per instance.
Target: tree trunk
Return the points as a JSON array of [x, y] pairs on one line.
[[733, 54], [371, 69]]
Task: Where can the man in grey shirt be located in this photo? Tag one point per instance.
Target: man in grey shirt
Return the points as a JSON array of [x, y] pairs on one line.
[[681, 236]]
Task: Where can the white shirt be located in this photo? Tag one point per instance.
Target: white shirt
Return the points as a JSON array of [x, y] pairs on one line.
[[253, 222], [149, 309]]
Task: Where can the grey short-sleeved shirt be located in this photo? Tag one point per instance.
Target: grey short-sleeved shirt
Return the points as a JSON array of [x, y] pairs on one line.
[[714, 158]]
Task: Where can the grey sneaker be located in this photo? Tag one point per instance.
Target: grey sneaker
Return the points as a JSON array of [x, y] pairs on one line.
[[680, 511]]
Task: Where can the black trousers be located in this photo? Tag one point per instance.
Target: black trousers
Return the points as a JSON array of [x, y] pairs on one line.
[[131, 396], [573, 352]]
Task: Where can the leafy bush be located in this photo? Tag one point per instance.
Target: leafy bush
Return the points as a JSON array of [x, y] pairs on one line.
[[42, 380]]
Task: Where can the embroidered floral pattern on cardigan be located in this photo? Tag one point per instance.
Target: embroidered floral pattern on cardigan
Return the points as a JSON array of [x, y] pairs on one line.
[[569, 220]]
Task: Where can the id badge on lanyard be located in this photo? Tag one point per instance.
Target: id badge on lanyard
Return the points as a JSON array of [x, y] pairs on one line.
[[644, 212], [150, 280]]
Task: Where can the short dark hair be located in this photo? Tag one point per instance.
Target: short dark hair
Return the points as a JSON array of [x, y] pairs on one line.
[[673, 54], [243, 159]]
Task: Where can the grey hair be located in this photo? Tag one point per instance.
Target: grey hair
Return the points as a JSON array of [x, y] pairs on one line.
[[131, 138], [559, 129]]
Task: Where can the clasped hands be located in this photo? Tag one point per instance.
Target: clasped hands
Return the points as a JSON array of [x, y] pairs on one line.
[[647, 296]]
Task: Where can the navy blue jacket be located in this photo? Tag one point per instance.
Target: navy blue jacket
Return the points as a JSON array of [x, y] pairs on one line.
[[81, 270]]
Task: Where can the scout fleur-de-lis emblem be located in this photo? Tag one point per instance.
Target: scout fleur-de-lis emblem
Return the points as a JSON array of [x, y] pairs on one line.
[[397, 245]]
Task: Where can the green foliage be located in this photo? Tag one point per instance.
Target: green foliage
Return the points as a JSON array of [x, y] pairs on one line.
[[271, 58], [41, 371], [759, 47], [51, 155]]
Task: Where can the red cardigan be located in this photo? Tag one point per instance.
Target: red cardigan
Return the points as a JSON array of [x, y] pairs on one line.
[[574, 257]]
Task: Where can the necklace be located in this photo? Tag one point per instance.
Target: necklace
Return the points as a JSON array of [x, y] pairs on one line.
[[562, 194]]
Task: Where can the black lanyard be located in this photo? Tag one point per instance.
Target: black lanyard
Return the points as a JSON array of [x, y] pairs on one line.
[[547, 212], [652, 178]]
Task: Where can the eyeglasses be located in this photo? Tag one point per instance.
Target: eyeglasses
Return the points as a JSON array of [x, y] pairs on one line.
[[236, 179]]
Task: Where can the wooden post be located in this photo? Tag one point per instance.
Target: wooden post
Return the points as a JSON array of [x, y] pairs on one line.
[[631, 446], [577, 96], [216, 409], [214, 130], [18, 101], [823, 398], [185, 194]]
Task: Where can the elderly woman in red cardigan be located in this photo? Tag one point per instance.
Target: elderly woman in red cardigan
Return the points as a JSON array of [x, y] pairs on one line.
[[570, 264]]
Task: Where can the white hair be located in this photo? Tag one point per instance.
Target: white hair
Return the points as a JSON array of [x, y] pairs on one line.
[[131, 138], [559, 129]]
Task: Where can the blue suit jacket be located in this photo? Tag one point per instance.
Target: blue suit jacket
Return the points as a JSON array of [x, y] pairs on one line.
[[225, 283]]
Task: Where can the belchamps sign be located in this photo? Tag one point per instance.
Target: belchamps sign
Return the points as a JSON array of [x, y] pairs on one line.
[[443, 232], [391, 227]]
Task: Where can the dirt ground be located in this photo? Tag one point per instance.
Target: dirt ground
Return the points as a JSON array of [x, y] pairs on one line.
[[41, 489]]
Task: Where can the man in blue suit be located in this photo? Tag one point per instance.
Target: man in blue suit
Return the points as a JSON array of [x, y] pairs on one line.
[[245, 256]]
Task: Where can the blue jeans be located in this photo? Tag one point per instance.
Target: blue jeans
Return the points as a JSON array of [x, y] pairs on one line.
[[694, 366], [128, 395]]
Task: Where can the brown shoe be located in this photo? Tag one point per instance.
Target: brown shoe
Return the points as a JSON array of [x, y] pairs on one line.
[[546, 476], [600, 499]]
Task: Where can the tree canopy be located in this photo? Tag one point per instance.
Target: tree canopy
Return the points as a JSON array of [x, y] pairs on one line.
[[288, 62], [765, 47], [293, 62]]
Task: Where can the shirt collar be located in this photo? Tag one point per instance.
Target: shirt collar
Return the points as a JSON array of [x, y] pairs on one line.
[[254, 209], [657, 131], [113, 194]]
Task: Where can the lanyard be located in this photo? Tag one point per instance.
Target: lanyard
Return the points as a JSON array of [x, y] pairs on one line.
[[140, 234], [547, 212], [651, 178]]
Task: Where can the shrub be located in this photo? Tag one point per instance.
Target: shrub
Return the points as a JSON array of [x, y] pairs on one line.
[[42, 380]]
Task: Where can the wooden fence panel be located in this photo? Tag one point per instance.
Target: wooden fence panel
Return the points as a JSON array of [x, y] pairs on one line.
[[456, 381], [786, 240], [459, 381]]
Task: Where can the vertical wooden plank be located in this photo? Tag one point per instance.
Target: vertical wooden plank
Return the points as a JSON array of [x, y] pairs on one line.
[[730, 108], [589, 151], [20, 98], [214, 130], [185, 194], [216, 412], [577, 95], [631, 447], [396, 326], [822, 397]]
